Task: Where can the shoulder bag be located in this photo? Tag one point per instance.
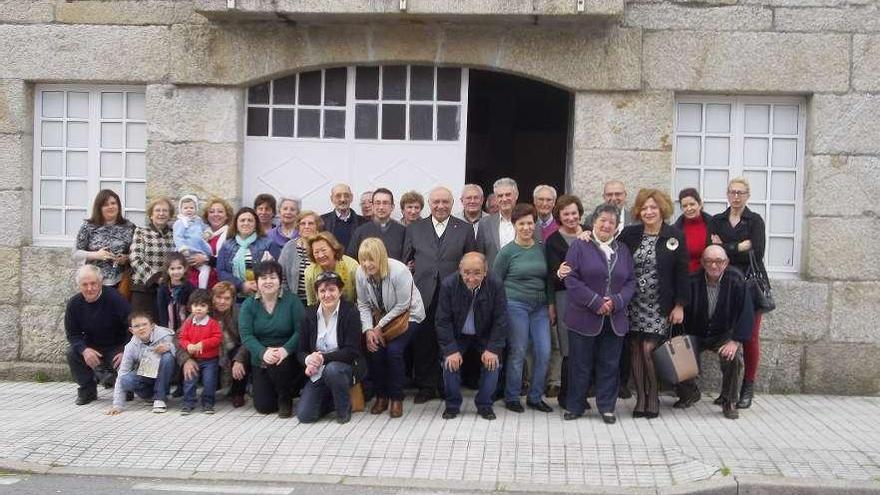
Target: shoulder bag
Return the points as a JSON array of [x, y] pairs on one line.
[[397, 326], [676, 359], [759, 286]]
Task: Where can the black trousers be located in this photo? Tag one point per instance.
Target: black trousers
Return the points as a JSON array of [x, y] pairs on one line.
[[85, 376], [275, 384], [731, 372], [143, 298], [426, 350]]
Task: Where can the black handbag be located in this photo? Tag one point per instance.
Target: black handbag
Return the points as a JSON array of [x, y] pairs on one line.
[[759, 286]]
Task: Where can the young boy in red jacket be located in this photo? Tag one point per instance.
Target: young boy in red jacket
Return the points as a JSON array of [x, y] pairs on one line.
[[201, 336]]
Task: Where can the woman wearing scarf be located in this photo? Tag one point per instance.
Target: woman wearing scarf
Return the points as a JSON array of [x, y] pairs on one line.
[[217, 214], [246, 245], [599, 288]]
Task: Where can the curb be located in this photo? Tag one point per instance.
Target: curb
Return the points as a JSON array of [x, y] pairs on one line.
[[731, 485]]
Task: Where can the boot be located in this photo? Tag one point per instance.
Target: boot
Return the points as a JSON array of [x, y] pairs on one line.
[[745, 395], [380, 406]]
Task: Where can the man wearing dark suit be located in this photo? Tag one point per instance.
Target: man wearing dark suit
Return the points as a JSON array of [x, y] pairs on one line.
[[435, 246], [496, 230], [342, 221]]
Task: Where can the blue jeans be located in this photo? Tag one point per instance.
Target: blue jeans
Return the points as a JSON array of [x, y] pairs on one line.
[[387, 367], [157, 388], [209, 371], [332, 389], [452, 379], [527, 322], [602, 353]]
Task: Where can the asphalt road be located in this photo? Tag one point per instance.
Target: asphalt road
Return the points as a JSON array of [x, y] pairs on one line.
[[36, 484]]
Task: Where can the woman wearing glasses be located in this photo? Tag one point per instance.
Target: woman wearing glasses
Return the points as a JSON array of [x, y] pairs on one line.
[[740, 231]]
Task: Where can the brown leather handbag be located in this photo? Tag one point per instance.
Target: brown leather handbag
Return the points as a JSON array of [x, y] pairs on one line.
[[124, 287], [398, 325]]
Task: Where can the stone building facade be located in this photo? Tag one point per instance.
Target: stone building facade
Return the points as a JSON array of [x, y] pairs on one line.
[[636, 71]]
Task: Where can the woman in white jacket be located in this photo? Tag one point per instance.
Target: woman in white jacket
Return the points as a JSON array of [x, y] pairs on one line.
[[385, 287]]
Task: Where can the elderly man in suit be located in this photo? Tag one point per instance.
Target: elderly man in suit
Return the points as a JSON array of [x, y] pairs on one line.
[[342, 221], [435, 246], [496, 230]]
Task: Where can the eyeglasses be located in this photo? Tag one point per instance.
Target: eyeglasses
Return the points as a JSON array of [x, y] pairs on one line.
[[738, 193], [714, 261]]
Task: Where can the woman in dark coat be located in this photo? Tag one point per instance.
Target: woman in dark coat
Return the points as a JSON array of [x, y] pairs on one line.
[[662, 290], [740, 231], [600, 286]]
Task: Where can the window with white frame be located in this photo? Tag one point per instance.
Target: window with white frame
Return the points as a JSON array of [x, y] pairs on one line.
[[86, 138], [760, 138], [378, 103]]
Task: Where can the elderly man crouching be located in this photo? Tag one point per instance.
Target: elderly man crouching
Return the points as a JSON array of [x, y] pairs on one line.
[[471, 315], [720, 316], [96, 323]]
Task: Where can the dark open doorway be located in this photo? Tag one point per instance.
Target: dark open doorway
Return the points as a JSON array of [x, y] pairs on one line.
[[517, 128]]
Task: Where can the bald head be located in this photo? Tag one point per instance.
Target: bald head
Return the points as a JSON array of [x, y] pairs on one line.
[[472, 269], [714, 261], [340, 196]]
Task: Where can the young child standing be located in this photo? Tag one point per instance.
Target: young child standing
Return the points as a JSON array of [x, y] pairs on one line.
[[191, 234], [173, 293], [201, 336], [147, 364]]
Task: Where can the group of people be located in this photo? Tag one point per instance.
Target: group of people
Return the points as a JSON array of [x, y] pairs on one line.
[[535, 299]]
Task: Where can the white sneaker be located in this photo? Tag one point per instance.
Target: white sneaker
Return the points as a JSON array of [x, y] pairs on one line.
[[159, 406]]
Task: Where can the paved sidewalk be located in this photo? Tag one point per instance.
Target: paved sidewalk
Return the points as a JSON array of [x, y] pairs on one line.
[[829, 438]]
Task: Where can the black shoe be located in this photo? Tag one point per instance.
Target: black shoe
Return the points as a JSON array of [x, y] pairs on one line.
[[129, 396], [345, 418], [450, 414], [84, 398], [540, 406], [285, 409], [638, 414], [719, 401], [515, 407], [651, 415], [424, 396], [730, 412], [687, 402], [568, 416], [745, 396], [624, 393], [609, 418], [486, 413]]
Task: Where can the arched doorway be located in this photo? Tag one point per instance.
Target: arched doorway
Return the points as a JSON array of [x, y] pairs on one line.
[[402, 127]]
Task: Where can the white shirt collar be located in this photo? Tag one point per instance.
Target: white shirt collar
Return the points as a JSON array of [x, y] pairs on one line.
[[341, 217], [437, 222], [333, 313], [202, 321]]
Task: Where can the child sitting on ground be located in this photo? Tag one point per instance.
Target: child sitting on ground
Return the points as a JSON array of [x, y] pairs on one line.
[[201, 336], [147, 364], [191, 234]]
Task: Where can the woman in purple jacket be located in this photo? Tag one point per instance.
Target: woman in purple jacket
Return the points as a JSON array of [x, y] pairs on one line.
[[600, 286]]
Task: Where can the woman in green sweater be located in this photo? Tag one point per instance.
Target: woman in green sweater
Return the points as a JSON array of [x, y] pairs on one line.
[[269, 323], [522, 266]]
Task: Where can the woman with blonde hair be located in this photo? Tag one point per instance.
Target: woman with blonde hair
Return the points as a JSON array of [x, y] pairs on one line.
[[740, 231], [328, 255], [662, 290], [385, 287]]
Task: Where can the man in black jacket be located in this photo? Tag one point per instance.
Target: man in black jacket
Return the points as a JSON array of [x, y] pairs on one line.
[[471, 315], [342, 220], [720, 318]]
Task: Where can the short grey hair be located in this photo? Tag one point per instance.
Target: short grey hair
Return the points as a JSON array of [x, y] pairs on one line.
[[472, 186], [505, 182], [86, 270], [296, 201], [544, 186]]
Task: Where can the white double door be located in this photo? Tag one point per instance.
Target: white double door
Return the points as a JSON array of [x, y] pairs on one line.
[[307, 168]]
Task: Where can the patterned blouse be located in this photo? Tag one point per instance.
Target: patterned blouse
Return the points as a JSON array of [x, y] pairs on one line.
[[114, 237], [644, 308], [148, 249]]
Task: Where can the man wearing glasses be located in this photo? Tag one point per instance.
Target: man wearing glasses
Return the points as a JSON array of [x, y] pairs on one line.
[[720, 319]]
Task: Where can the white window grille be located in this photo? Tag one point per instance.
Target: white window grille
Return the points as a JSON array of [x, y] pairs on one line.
[[86, 138], [378, 103], [761, 138]]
